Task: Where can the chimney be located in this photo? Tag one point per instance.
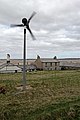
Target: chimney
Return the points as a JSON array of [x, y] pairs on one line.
[[38, 57], [8, 58]]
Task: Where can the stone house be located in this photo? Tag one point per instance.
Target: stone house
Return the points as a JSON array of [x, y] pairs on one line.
[[47, 63]]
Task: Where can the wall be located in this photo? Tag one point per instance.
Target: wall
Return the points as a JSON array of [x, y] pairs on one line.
[[38, 63]]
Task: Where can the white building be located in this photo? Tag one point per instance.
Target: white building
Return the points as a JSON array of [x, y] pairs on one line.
[[9, 68]]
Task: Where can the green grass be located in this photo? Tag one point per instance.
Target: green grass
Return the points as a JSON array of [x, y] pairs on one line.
[[54, 95]]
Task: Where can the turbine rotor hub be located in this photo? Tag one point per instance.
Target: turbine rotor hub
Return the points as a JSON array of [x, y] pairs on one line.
[[24, 21]]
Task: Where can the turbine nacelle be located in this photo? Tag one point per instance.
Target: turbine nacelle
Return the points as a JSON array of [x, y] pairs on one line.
[[24, 21]]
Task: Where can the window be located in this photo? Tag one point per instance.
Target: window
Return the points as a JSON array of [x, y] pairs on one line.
[[55, 63], [51, 64], [46, 64]]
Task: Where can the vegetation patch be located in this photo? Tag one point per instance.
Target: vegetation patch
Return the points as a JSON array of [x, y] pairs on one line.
[[54, 95]]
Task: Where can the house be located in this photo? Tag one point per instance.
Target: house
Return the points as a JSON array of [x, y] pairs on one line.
[[9, 67], [47, 63], [69, 63]]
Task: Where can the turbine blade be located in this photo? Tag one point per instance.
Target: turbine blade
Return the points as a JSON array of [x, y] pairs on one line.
[[31, 16], [33, 37], [16, 25]]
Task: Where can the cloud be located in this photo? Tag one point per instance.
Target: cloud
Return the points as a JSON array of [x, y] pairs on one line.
[[56, 27]]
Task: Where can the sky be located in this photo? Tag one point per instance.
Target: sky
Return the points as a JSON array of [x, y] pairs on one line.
[[56, 27]]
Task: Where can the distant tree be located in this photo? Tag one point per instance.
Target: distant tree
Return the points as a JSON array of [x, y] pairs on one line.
[[55, 57]]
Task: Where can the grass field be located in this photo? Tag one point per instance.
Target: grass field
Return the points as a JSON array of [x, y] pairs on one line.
[[54, 95]]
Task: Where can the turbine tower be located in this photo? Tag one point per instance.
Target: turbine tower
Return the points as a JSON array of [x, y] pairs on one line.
[[25, 24]]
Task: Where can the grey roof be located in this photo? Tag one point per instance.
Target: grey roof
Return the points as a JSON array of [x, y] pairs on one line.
[[49, 60], [8, 64]]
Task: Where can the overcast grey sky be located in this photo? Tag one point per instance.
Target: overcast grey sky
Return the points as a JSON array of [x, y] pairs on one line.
[[56, 27]]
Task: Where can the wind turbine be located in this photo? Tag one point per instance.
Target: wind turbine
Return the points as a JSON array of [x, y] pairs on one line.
[[25, 24]]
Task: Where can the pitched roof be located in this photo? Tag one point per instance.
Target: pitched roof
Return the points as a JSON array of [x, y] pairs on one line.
[[8, 64], [48, 60]]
